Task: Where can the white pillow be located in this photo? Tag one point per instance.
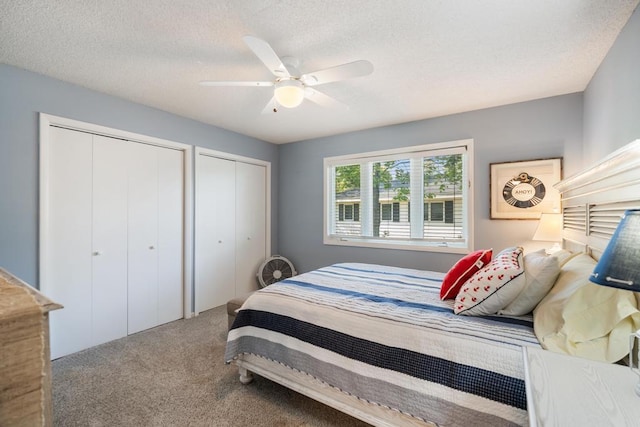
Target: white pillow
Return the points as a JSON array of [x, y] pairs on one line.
[[541, 271], [493, 287]]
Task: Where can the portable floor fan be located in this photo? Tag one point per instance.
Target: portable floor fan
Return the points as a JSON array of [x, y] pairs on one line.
[[291, 87], [275, 269]]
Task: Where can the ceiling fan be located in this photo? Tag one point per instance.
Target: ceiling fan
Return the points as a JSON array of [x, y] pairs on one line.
[[291, 87]]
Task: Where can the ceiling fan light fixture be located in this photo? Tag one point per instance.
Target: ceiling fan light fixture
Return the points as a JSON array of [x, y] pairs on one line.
[[289, 93]]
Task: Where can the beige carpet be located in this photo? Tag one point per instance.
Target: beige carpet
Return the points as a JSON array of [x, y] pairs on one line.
[[174, 375]]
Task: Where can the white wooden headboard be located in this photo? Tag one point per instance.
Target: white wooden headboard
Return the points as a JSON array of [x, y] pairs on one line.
[[594, 199]]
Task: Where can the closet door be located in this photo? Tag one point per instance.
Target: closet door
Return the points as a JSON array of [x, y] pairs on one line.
[[142, 238], [69, 247], [112, 216], [87, 205], [109, 240], [215, 252], [170, 234], [250, 224]]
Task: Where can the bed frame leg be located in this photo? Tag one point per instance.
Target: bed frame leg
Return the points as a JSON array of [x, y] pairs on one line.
[[245, 376]]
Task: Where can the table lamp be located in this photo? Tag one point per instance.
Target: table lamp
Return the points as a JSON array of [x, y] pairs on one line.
[[549, 230], [619, 267]]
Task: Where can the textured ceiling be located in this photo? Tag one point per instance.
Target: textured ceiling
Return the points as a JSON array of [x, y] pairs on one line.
[[430, 58]]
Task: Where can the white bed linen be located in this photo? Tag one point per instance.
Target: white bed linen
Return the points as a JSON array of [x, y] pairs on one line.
[[382, 334]]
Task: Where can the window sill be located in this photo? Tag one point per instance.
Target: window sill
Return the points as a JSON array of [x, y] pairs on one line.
[[454, 248]]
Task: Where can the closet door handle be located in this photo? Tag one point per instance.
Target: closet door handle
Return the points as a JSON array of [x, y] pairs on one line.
[[152, 247], [97, 253]]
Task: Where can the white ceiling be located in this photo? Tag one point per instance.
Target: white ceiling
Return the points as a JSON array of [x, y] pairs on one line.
[[430, 58]]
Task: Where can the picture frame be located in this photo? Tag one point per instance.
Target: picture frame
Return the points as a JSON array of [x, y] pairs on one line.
[[524, 189]]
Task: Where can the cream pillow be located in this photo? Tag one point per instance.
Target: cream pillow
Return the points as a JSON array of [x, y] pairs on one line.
[[582, 319], [564, 256], [547, 316], [541, 271]]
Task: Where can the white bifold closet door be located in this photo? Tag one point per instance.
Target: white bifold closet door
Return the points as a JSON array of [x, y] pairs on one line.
[[109, 242], [154, 236], [215, 236], [170, 235], [250, 224], [230, 232], [114, 253], [69, 261]]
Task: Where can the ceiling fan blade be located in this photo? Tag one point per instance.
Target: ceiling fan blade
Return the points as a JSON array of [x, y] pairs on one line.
[[339, 72], [267, 55], [322, 99], [229, 83]]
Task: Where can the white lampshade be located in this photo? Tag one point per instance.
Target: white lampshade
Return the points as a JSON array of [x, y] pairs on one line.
[[289, 93], [549, 228]]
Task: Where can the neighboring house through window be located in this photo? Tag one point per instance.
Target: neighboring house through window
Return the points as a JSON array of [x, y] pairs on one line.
[[368, 198]]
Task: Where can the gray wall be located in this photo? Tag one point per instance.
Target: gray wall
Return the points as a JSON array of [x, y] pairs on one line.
[[583, 128], [612, 99], [544, 128], [24, 94], [550, 127]]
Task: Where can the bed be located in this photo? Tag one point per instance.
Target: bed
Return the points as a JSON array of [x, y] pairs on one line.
[[378, 343], [383, 334]]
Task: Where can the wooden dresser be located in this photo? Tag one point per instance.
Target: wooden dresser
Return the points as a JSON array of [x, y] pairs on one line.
[[25, 362]]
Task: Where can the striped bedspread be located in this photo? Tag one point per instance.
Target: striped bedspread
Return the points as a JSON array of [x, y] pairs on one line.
[[382, 334]]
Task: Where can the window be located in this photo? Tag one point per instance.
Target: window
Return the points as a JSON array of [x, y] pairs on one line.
[[368, 198], [437, 212], [449, 212], [348, 212], [385, 212], [396, 212]]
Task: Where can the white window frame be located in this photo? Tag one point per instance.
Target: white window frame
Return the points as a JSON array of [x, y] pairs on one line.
[[414, 244]]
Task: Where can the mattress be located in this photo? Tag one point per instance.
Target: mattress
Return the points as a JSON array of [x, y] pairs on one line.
[[382, 334]]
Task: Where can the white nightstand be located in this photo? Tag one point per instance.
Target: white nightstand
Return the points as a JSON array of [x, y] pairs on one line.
[[570, 391]]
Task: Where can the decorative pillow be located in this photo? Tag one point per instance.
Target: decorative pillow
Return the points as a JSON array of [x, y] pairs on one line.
[[493, 287], [462, 271], [564, 256], [586, 320], [541, 271]]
